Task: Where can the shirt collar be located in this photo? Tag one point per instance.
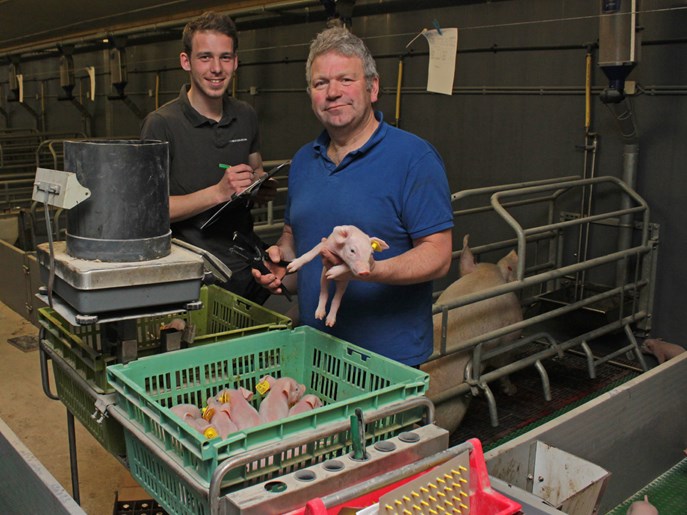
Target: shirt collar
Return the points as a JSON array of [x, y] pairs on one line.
[[321, 144], [197, 119]]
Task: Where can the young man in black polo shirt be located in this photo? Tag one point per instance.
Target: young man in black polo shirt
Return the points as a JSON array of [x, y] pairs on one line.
[[207, 128]]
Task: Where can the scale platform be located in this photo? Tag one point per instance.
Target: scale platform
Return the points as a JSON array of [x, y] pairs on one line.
[[95, 287]]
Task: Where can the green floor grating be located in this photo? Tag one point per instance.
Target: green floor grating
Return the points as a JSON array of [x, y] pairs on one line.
[[546, 418], [527, 409], [668, 493]]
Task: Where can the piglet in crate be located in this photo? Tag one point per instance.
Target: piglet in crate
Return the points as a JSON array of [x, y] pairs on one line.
[[281, 393], [662, 350], [186, 411], [354, 248], [242, 413], [223, 422], [307, 403]]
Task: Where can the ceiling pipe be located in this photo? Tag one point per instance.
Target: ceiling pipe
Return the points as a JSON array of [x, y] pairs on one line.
[[102, 35]]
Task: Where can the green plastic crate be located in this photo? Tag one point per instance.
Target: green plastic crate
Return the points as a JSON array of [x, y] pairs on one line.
[[224, 316], [80, 401], [343, 375]]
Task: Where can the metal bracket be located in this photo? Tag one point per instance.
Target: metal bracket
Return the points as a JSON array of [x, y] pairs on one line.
[[58, 188]]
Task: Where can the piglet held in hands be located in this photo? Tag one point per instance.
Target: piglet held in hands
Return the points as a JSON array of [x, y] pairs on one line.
[[355, 248]]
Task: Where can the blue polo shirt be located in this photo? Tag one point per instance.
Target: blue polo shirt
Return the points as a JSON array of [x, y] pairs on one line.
[[393, 187]]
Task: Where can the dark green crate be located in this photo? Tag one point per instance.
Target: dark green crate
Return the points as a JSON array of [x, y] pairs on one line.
[[343, 375], [224, 316], [80, 401]]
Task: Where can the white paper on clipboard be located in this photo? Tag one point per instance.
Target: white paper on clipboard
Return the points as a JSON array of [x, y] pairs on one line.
[[442, 59]]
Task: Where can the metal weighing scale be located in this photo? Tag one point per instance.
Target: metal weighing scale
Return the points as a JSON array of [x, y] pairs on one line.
[[116, 293]]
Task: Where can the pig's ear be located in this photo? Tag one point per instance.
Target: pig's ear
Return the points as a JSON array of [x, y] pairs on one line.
[[467, 260], [340, 233], [269, 379], [509, 266], [378, 244]]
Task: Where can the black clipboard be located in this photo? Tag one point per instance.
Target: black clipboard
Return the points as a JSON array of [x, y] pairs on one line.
[[250, 190]]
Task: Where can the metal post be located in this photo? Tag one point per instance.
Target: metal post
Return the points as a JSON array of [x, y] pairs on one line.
[[73, 464]]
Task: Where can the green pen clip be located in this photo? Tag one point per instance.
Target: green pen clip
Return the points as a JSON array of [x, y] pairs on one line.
[[226, 167]]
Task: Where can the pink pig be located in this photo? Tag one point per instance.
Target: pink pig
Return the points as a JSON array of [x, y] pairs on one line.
[[223, 422], [186, 411], [283, 393], [642, 508], [355, 248], [242, 413], [662, 350], [307, 403]]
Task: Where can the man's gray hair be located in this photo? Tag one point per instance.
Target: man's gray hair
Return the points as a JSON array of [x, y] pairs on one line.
[[343, 42]]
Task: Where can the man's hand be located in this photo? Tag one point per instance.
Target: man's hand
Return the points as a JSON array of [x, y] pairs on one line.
[[236, 179], [273, 280]]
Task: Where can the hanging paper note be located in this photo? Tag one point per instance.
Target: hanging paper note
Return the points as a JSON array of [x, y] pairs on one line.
[[442, 59]]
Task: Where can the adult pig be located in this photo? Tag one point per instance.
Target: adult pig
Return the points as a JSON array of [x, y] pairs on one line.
[[354, 248], [467, 322]]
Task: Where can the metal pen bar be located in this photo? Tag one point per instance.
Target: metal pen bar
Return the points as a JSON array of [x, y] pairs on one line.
[[543, 317], [530, 360], [563, 186], [540, 278]]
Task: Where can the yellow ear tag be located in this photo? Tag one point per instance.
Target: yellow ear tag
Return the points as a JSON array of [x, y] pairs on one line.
[[208, 413], [224, 398], [262, 387], [376, 247], [210, 433]]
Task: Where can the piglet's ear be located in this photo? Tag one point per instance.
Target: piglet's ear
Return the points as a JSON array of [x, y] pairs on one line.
[[378, 244], [340, 233]]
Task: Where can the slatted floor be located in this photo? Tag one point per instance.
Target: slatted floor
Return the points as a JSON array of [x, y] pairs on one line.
[[570, 386]]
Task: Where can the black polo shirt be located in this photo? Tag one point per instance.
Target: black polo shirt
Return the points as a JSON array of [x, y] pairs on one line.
[[197, 145]]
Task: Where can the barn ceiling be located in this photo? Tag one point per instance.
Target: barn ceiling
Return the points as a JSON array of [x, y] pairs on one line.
[[28, 26], [32, 28]]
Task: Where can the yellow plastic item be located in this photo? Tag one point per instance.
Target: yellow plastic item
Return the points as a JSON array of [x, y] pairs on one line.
[[262, 387], [210, 433]]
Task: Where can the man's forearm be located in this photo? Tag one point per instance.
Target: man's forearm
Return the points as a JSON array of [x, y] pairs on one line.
[[182, 207], [429, 259]]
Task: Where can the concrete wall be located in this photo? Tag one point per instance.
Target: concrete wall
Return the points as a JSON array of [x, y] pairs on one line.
[[517, 112]]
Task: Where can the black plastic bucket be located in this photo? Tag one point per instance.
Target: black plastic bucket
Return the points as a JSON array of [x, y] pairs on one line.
[[126, 218]]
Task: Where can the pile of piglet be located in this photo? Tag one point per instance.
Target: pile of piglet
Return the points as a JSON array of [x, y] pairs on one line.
[[230, 410]]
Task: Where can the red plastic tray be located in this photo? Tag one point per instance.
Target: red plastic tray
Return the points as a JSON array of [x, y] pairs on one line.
[[484, 500]]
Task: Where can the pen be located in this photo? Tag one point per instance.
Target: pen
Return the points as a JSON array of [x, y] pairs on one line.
[[226, 167]]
